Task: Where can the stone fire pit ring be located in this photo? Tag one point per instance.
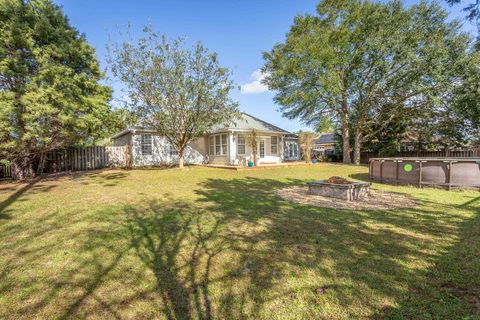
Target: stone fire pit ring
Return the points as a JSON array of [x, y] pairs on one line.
[[349, 192]]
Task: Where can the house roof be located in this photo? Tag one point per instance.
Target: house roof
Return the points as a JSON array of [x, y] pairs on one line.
[[245, 123], [249, 122], [132, 129], [326, 138]]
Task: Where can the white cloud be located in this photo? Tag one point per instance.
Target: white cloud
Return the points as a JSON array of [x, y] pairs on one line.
[[256, 85]]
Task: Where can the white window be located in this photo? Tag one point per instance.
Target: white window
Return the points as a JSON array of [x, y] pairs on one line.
[[218, 150], [146, 144], [212, 145], [218, 144], [172, 150], [241, 144], [274, 145], [224, 144]]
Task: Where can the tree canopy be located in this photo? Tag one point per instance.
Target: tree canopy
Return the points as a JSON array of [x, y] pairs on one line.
[[180, 92], [473, 13], [50, 96], [354, 59]]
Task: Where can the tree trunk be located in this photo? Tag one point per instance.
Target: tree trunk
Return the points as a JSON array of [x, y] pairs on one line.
[[346, 140], [255, 157], [180, 159], [308, 156], [22, 169], [357, 147], [129, 156], [41, 164]]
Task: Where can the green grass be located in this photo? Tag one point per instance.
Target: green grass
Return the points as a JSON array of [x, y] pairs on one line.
[[215, 244]]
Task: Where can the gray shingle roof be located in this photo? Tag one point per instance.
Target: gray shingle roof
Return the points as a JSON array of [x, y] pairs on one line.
[[325, 138], [248, 122]]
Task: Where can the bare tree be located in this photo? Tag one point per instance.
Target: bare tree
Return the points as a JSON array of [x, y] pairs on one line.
[[178, 91]]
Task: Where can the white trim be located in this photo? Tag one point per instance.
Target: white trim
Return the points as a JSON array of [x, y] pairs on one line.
[[221, 144], [133, 131], [280, 133]]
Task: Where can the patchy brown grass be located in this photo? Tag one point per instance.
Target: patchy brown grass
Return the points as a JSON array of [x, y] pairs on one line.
[[376, 200], [214, 244]]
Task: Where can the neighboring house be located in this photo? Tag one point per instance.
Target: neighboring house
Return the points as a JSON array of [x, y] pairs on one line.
[[325, 143], [225, 145]]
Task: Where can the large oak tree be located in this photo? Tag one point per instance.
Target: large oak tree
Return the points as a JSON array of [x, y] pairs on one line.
[[354, 59]]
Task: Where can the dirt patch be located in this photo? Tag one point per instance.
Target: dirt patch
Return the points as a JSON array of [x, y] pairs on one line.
[[338, 180], [377, 200]]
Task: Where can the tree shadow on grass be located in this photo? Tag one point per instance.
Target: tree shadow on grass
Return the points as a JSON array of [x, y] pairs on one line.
[[240, 251], [360, 176], [356, 257], [104, 177], [44, 184], [451, 289], [235, 251], [14, 197], [157, 236], [158, 253]]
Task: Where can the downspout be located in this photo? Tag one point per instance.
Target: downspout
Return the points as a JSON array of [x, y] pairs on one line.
[[130, 160], [229, 148]]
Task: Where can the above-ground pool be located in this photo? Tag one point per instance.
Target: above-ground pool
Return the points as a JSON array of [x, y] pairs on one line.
[[445, 172]]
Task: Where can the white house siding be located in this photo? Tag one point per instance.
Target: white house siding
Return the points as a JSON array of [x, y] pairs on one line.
[[269, 157], [116, 156], [197, 152], [220, 159], [122, 140], [212, 159], [194, 153]]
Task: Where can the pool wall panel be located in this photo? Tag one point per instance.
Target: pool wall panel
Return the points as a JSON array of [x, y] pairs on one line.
[[427, 171]]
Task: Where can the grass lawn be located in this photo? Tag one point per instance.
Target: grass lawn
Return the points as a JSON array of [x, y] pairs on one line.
[[209, 243]]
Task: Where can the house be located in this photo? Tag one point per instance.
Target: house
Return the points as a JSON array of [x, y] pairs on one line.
[[324, 144], [223, 145]]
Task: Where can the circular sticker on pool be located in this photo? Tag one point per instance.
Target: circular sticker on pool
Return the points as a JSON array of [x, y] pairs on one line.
[[408, 167]]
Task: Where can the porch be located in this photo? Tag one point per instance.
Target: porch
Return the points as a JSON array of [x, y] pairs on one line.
[[231, 149], [260, 166]]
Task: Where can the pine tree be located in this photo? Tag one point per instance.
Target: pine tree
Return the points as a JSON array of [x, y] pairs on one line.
[[50, 96]]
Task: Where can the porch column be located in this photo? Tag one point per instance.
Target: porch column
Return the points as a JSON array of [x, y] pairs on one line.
[[232, 148], [281, 145]]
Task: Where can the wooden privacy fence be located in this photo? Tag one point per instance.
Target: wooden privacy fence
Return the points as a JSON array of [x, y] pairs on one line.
[[466, 153], [85, 158]]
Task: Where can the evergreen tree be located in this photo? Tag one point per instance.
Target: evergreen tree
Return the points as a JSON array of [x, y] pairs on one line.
[[50, 96]]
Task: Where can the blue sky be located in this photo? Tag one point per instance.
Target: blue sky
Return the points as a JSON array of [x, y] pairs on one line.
[[238, 30]]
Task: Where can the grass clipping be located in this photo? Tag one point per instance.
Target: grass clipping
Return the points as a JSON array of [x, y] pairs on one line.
[[377, 200]]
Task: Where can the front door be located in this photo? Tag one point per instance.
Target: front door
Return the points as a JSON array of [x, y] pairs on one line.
[[261, 147]]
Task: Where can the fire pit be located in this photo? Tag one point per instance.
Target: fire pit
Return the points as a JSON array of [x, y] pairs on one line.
[[340, 188]]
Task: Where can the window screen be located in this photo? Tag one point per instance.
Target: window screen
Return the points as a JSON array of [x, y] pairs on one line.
[[224, 144], [146, 143], [274, 145], [217, 145], [241, 144]]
